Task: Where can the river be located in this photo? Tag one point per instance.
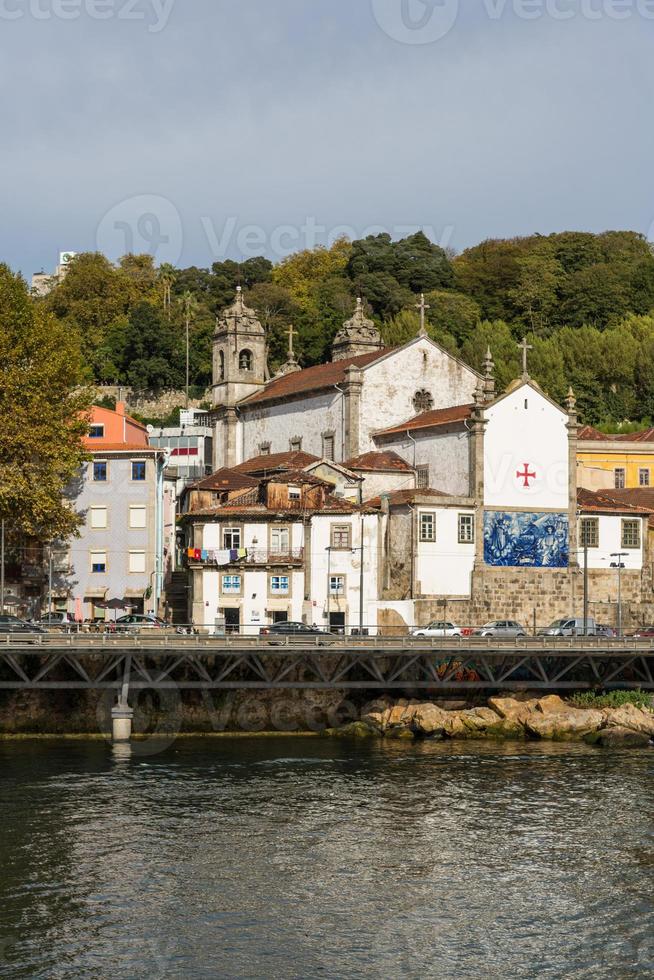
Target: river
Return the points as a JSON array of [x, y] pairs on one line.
[[306, 857]]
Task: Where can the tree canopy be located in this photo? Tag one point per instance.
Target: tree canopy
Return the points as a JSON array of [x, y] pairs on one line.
[[43, 414], [586, 302]]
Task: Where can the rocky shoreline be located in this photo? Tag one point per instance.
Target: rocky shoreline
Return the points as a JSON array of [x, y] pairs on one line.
[[505, 718]]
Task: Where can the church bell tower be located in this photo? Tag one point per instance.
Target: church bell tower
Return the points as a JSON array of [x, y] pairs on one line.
[[239, 369], [358, 335], [239, 353]]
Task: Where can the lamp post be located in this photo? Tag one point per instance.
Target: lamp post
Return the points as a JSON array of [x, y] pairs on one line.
[[620, 555], [361, 579], [329, 585]]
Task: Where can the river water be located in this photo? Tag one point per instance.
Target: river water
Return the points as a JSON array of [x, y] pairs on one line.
[[307, 857]]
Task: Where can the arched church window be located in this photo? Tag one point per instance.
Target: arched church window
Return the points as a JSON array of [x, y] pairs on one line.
[[245, 360], [423, 401], [221, 365]]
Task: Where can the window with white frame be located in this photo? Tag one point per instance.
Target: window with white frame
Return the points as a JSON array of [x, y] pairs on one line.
[[231, 538], [644, 477], [428, 527], [98, 562], [96, 432], [337, 585], [466, 528], [137, 517], [231, 584], [137, 562], [280, 585], [280, 540], [620, 477], [294, 493], [422, 476], [589, 532], [631, 534], [98, 518]]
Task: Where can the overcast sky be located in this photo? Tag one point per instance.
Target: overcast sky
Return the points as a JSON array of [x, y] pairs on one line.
[[206, 129]]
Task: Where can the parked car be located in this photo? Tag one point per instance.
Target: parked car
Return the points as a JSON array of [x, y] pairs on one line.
[[501, 628], [291, 629], [138, 621], [606, 631], [58, 620], [438, 628], [573, 626], [14, 625], [645, 632]]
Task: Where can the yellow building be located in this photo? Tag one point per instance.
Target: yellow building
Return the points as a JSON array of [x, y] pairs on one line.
[[615, 462]]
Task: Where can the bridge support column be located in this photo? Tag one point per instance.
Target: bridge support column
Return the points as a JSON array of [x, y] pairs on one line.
[[121, 722]]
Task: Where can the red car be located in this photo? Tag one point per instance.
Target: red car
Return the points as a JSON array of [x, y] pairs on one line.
[[645, 631]]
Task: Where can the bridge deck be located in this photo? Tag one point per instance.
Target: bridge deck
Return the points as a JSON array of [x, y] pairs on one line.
[[62, 662]]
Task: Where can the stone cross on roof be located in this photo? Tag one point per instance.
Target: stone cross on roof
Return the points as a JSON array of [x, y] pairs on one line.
[[423, 307], [525, 348], [291, 333]]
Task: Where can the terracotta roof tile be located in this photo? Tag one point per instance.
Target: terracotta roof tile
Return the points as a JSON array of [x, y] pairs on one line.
[[226, 479], [428, 420], [615, 501], [588, 434], [98, 448], [296, 460], [402, 497], [379, 462], [314, 378]]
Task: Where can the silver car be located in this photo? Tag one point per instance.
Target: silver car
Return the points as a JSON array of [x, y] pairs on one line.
[[501, 628], [437, 629]]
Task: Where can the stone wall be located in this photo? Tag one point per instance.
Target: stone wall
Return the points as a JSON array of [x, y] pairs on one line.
[[152, 404], [546, 594]]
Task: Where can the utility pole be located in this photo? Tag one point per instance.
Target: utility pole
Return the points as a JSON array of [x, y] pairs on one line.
[[585, 590], [50, 579], [2, 566], [329, 586], [361, 580], [620, 555]]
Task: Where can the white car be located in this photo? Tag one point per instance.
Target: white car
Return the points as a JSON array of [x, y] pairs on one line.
[[438, 629]]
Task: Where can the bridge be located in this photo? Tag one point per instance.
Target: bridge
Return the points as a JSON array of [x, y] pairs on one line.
[[124, 663]]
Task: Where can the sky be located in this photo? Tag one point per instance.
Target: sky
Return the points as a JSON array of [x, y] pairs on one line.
[[200, 130]]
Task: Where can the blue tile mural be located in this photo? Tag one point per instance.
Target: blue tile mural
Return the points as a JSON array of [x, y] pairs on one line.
[[533, 540]]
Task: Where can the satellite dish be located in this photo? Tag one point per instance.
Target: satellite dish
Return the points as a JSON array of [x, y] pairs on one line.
[[150, 429]]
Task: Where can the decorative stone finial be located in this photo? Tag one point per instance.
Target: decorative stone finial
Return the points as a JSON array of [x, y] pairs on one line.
[[571, 401], [358, 335], [489, 376]]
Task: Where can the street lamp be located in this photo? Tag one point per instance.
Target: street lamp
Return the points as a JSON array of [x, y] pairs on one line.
[[620, 555]]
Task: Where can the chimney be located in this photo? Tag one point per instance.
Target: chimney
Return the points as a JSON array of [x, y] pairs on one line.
[[120, 408]]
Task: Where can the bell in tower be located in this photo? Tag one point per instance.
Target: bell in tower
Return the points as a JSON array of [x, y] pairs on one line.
[[239, 353]]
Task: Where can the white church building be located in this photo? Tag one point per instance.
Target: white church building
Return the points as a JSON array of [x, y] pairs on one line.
[[480, 518]]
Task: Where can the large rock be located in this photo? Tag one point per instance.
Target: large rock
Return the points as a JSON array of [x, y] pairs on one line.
[[355, 729], [629, 716], [431, 721], [616, 737], [564, 724]]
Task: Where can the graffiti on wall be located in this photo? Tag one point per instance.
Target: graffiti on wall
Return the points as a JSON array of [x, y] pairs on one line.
[[521, 539]]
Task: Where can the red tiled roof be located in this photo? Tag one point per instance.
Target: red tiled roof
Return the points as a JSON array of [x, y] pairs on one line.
[[117, 447], [226, 479], [589, 434], [379, 462], [296, 476], [614, 502], [314, 378], [429, 420], [277, 461], [402, 497], [646, 436]]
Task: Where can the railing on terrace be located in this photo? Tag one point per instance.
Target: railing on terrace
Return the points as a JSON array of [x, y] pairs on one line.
[[254, 556]]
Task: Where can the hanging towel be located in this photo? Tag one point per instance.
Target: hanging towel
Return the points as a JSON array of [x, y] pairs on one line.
[[233, 554], [197, 554], [242, 552], [222, 557], [190, 552], [205, 555]]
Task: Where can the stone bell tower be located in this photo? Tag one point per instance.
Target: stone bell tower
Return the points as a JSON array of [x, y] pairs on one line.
[[239, 369], [357, 336]]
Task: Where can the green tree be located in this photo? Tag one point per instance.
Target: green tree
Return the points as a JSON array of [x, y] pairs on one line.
[[154, 351], [453, 313], [42, 414]]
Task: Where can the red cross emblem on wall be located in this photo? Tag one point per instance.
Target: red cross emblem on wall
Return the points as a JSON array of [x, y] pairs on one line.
[[527, 475]]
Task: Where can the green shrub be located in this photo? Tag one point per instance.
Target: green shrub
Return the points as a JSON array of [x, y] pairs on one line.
[[611, 699]]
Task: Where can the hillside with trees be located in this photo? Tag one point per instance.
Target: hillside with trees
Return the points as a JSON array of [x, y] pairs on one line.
[[585, 302]]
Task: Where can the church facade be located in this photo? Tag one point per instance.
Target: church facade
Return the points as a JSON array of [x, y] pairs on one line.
[[484, 521]]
